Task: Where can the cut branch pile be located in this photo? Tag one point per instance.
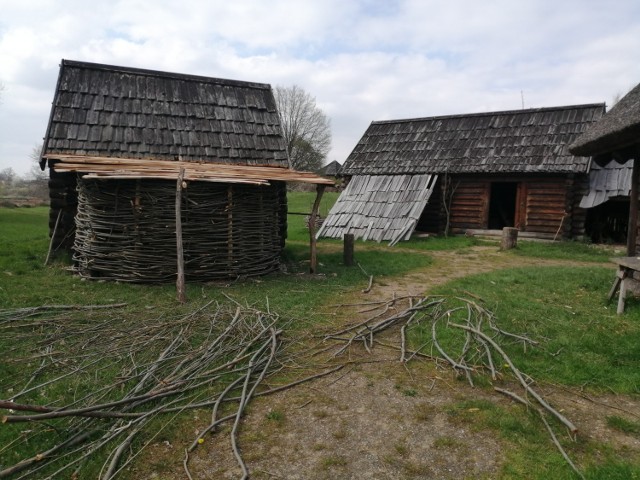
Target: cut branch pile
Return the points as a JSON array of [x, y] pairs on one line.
[[102, 386], [465, 335]]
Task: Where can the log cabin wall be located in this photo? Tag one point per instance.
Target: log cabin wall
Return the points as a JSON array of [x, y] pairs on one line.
[[580, 187], [63, 202], [546, 205], [469, 204]]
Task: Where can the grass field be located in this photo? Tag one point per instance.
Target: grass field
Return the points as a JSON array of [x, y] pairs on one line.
[[583, 343]]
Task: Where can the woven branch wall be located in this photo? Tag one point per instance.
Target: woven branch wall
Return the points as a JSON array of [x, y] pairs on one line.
[[125, 230]]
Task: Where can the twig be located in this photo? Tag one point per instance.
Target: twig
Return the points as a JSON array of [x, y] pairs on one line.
[[546, 424], [572, 428]]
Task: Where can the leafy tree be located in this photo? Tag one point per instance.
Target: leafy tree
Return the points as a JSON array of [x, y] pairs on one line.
[[305, 128]]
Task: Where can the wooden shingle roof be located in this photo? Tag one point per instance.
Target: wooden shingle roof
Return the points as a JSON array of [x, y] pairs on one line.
[[108, 111], [606, 182], [331, 169], [533, 140], [618, 129]]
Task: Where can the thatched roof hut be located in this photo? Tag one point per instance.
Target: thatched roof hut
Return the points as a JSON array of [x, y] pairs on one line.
[[330, 169], [617, 134], [617, 137], [466, 173], [118, 139]]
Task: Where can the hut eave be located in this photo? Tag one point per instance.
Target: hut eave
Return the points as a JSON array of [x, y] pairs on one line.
[[206, 171]]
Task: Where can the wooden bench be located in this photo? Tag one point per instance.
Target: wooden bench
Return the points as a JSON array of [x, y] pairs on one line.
[[627, 266]]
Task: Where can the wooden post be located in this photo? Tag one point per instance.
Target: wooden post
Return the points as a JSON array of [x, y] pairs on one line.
[[348, 250], [53, 236], [312, 229], [180, 286], [633, 211], [509, 238]]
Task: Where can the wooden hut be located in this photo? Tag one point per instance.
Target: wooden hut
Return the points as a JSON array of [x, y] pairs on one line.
[[330, 169], [616, 137], [607, 202], [475, 173], [136, 154]]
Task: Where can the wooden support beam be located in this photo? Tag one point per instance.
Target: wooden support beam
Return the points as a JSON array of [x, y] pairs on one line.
[[180, 283], [347, 256], [632, 233], [312, 229]]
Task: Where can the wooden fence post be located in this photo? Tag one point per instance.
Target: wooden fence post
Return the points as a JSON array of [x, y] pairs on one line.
[[348, 249], [180, 285], [509, 238], [313, 262]]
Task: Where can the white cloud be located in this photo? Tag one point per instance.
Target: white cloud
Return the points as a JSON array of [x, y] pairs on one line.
[[363, 60]]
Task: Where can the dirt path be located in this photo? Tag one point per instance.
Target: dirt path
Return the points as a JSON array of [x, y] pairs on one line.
[[381, 420]]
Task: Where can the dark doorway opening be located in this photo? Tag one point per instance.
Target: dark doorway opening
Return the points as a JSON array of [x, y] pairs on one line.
[[609, 221], [502, 205]]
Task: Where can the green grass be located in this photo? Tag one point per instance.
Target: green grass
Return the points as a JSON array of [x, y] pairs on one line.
[[302, 202], [566, 250], [623, 425], [528, 451], [582, 340]]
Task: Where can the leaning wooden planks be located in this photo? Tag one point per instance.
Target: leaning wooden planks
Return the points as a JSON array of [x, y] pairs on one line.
[[111, 167]]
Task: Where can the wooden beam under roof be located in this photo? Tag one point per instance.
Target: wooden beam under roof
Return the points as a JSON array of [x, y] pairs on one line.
[[133, 168]]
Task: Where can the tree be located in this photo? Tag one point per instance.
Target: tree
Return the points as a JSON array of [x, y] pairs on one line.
[[35, 172], [7, 176], [305, 128]]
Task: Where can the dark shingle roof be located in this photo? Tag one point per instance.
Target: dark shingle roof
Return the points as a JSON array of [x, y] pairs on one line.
[[331, 169], [618, 129], [111, 111], [534, 140]]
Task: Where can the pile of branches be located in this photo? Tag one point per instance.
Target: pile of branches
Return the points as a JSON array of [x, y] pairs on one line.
[[460, 331], [103, 384], [126, 230]]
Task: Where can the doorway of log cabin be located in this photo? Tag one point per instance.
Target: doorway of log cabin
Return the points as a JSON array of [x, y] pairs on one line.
[[502, 205]]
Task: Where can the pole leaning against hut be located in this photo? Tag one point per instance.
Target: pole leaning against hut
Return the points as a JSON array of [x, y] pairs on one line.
[[313, 262], [180, 283], [632, 232]]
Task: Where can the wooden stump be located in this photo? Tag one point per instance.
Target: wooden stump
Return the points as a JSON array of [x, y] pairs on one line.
[[509, 238], [348, 250]]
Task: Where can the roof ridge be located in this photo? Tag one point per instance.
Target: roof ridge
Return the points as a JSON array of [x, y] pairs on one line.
[[485, 114], [159, 73]]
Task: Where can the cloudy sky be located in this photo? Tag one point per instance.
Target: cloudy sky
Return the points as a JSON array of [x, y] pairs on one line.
[[363, 60]]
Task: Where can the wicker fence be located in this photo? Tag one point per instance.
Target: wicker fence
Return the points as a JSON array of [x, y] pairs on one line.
[[125, 230]]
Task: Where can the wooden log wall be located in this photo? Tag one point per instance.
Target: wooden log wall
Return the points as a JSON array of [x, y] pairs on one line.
[[580, 187], [549, 207], [63, 202], [470, 204], [547, 204]]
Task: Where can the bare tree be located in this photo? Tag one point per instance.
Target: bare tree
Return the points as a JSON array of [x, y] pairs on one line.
[[448, 192], [35, 172], [305, 127]]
